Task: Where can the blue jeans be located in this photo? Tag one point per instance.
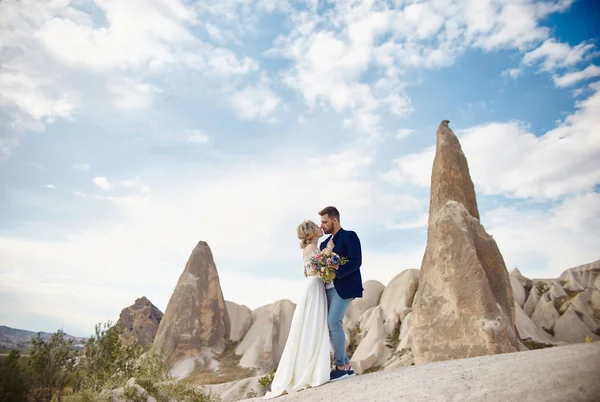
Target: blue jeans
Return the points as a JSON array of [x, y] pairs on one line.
[[335, 319]]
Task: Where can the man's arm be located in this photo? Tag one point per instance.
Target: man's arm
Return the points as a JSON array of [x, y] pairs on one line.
[[354, 255]]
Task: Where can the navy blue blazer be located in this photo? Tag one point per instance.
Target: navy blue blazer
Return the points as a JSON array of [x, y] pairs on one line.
[[348, 282]]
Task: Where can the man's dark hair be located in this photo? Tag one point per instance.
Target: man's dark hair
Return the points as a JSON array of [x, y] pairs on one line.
[[332, 212]]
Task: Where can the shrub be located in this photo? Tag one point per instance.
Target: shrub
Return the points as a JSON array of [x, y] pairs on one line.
[[106, 362], [13, 386], [532, 345], [353, 340], [50, 365], [393, 339], [87, 396], [132, 394], [266, 380], [182, 392], [373, 369]]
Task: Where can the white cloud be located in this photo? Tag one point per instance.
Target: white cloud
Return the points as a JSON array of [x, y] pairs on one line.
[[333, 50], [223, 62], [512, 72], [28, 101], [131, 95], [196, 137], [81, 167], [50, 186], [570, 79], [384, 266], [136, 183], [62, 62], [214, 32], [137, 34], [255, 102], [553, 54], [404, 132], [562, 237], [35, 95], [421, 222], [512, 24], [578, 92], [264, 204], [102, 183], [504, 158]]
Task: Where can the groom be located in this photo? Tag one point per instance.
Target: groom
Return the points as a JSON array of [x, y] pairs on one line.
[[346, 286]]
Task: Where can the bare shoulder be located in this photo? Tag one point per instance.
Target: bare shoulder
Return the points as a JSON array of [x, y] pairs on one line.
[[309, 249]]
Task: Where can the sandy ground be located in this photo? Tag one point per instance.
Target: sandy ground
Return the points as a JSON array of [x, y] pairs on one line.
[[564, 373]]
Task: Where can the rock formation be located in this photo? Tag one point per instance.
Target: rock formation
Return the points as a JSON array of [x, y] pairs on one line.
[[527, 330], [464, 305], [382, 333], [196, 325], [240, 318], [545, 314], [140, 321], [263, 344], [581, 277], [371, 295]]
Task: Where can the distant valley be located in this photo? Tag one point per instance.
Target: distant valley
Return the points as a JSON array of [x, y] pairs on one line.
[[20, 339]]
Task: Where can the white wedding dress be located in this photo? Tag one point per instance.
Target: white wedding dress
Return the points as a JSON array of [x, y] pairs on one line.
[[305, 359]]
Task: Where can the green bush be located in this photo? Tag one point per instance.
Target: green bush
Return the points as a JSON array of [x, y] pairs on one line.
[[266, 380], [13, 386], [50, 366], [106, 363], [87, 396], [132, 394], [182, 392], [353, 340]]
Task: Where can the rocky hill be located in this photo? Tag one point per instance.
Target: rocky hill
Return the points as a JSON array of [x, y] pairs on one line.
[[195, 327], [140, 321], [20, 339]]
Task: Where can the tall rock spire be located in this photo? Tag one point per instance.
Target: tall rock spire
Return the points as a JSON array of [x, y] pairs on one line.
[[450, 178], [195, 325], [464, 303]]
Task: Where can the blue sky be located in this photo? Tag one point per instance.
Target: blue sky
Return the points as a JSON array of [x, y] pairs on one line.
[[129, 131]]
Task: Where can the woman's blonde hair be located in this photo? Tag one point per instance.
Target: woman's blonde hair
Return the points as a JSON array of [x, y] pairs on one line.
[[306, 232]]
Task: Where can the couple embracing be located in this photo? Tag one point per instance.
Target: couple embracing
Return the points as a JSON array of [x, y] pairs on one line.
[[319, 314]]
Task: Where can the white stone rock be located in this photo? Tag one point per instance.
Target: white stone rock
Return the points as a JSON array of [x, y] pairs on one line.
[[582, 305], [556, 291], [595, 299], [405, 334], [517, 288], [584, 276], [532, 300], [527, 329], [263, 344], [240, 318], [545, 314], [569, 328], [371, 296], [397, 298], [372, 350]]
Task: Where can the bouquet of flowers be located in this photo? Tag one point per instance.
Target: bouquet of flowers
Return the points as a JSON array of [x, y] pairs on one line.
[[325, 264]]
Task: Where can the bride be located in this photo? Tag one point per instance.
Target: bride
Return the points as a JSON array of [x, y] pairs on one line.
[[305, 358]]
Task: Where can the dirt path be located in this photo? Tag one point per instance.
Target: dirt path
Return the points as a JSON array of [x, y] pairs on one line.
[[565, 373]]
